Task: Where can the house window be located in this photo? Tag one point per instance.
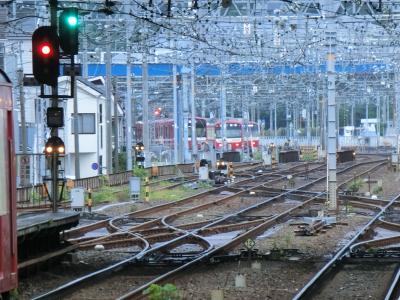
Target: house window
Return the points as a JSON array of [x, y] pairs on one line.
[[86, 124]]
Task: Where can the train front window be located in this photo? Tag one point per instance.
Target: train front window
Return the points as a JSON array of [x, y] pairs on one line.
[[233, 131], [3, 158], [251, 130], [200, 129]]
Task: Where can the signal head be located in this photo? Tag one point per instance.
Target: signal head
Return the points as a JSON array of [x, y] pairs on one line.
[[68, 27], [45, 55]]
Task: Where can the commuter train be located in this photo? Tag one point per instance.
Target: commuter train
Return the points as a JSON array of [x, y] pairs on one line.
[[239, 135], [8, 231], [162, 132]]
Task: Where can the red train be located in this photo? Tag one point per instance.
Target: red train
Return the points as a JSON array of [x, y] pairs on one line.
[[162, 132], [238, 135], [8, 230]]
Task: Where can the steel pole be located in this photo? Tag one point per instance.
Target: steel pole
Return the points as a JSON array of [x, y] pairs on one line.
[[223, 108], [332, 138], [175, 99], [193, 111], [22, 168], [185, 98], [128, 110], [145, 105], [108, 109], [76, 129], [54, 131]]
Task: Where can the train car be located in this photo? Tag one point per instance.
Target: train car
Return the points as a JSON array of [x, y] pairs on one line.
[[162, 132], [8, 231], [239, 135]]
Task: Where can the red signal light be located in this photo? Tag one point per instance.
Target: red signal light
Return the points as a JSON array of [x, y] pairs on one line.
[[45, 49]]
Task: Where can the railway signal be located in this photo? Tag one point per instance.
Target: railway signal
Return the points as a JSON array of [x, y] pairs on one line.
[[68, 28], [45, 55], [54, 145], [139, 152], [157, 111]]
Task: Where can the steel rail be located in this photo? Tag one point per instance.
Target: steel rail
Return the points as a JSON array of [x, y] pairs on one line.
[[137, 292], [393, 293], [64, 288], [115, 228], [304, 292], [74, 233], [234, 242], [53, 294]]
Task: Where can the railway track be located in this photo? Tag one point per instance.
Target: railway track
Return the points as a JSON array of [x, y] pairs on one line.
[[178, 235], [318, 288]]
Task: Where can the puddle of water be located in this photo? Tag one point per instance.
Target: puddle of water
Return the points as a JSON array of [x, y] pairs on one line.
[[107, 206], [96, 233], [222, 238], [384, 233], [270, 231], [291, 201]]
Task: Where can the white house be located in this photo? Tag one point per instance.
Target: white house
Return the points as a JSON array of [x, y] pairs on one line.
[[91, 125]]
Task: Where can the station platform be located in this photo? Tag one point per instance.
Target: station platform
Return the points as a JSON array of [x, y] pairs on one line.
[[34, 222], [40, 231]]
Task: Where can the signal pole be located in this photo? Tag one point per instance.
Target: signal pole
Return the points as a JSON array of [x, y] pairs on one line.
[[54, 131]]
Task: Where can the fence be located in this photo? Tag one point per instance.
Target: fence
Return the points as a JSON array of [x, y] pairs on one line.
[[37, 196]]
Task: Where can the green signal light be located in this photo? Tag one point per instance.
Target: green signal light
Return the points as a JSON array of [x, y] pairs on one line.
[[72, 21]]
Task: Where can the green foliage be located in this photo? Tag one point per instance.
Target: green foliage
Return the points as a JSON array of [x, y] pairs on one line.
[[110, 194], [309, 156], [355, 185], [204, 184], [104, 179], [35, 196], [140, 172], [288, 239], [283, 241], [257, 155], [14, 294], [122, 160], [165, 292], [377, 190], [171, 194]]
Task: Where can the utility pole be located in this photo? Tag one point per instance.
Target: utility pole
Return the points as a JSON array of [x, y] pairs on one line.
[[332, 138], [128, 109], [84, 58], [223, 108], [193, 115], [108, 108], [185, 96], [76, 129], [54, 131], [116, 137], [396, 107], [176, 127], [128, 98], [23, 126], [145, 105]]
